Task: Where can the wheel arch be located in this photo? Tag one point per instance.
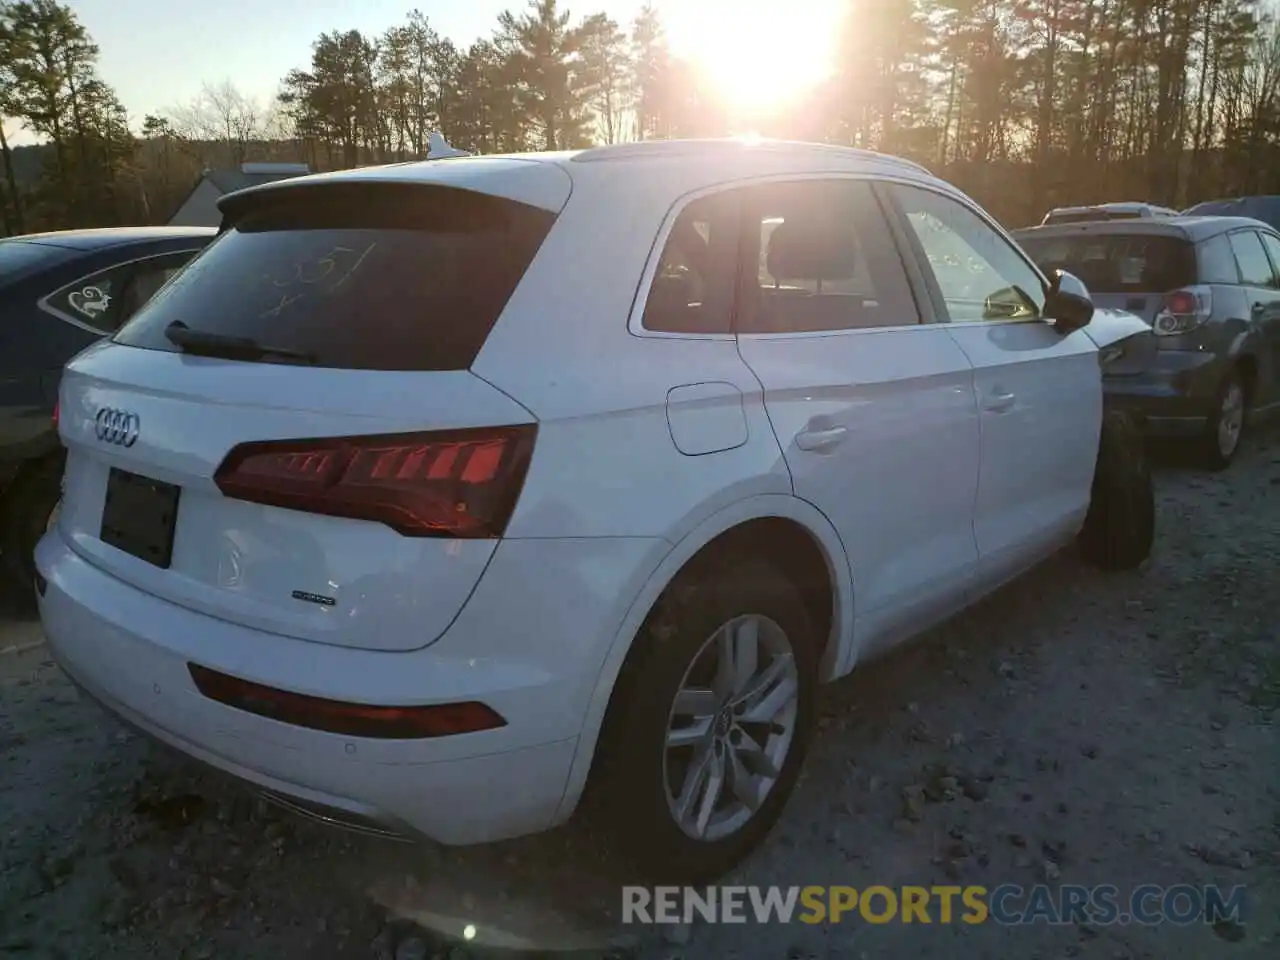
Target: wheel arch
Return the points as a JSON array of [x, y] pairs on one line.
[[1246, 363], [1244, 349], [722, 529]]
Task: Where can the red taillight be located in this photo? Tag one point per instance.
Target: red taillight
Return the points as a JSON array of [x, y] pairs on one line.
[[1181, 303], [336, 716], [56, 405], [458, 484]]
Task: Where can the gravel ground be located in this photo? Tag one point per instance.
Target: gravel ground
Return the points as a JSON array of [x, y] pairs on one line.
[[1075, 728]]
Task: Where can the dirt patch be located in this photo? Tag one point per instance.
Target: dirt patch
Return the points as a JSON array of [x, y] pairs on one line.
[[1077, 728]]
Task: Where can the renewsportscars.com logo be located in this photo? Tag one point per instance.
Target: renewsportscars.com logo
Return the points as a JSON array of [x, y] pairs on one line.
[[1007, 904]]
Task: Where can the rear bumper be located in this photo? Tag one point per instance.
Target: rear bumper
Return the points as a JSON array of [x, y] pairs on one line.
[[1174, 396], [334, 811], [130, 651]]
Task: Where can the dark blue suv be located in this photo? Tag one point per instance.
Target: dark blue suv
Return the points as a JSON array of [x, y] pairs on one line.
[[59, 293], [1266, 209]]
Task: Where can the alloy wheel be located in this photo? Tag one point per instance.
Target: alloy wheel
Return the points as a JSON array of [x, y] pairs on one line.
[[1230, 419], [731, 727]]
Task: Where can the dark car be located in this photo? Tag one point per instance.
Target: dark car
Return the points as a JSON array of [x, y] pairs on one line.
[[1209, 287], [59, 293], [1266, 209]]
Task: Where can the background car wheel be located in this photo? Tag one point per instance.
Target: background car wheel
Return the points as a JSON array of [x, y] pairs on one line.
[[1223, 432], [1120, 526], [709, 725], [25, 512]]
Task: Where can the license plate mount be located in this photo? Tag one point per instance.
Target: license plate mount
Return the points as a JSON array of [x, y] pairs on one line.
[[139, 516]]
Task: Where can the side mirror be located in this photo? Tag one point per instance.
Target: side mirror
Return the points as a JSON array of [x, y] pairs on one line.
[[1068, 304]]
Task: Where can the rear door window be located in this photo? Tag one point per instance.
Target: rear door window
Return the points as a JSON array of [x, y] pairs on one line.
[[147, 279], [1255, 268], [692, 289], [365, 276], [1118, 262], [92, 301]]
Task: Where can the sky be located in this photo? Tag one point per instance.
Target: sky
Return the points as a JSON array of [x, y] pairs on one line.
[[157, 54]]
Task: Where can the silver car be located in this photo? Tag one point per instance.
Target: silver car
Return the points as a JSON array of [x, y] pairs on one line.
[[1209, 287]]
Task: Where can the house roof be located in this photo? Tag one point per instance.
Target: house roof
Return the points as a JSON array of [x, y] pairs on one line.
[[249, 175], [228, 181]]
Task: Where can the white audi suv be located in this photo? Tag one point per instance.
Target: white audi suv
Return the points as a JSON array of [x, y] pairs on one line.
[[431, 494]]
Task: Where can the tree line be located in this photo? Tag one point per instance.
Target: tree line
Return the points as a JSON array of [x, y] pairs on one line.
[[1025, 104]]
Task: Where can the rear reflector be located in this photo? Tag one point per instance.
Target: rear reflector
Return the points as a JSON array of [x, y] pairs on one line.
[[1181, 302], [463, 483], [351, 719]]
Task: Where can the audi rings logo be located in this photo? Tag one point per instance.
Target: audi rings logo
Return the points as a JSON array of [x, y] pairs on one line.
[[116, 426]]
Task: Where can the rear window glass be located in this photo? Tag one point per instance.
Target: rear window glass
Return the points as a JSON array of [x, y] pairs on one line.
[[20, 257], [1116, 262], [358, 276]]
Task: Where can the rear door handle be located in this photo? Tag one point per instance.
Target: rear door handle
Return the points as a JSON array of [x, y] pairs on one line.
[[1000, 402], [819, 440]]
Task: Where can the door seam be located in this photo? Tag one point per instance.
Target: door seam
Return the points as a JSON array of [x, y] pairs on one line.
[[977, 487]]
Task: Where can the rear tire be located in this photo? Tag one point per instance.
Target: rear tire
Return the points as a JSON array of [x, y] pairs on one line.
[[1224, 430], [1120, 527], [25, 512], [727, 723]]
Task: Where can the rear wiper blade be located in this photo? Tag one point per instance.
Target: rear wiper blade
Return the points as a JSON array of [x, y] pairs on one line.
[[205, 344]]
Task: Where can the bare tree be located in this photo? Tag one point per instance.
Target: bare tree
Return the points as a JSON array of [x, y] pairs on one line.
[[223, 115]]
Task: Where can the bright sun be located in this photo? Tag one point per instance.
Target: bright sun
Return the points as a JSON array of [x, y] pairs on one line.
[[758, 53]]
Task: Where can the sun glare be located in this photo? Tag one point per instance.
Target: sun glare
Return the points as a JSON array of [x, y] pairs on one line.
[[759, 54]]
